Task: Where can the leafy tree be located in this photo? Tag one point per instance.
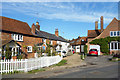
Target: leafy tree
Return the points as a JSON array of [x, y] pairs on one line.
[[8, 53]]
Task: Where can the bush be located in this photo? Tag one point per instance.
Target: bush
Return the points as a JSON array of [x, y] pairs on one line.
[[85, 49]]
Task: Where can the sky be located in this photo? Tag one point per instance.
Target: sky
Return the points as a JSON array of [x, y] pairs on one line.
[[72, 19]]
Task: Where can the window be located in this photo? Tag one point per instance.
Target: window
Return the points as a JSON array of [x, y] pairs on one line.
[[44, 40], [51, 42], [118, 33], [114, 45], [72, 41], [111, 45], [82, 39], [111, 33], [78, 48], [119, 45], [114, 33], [29, 49], [17, 37]]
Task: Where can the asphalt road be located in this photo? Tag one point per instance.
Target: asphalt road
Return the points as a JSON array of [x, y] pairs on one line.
[[102, 72]]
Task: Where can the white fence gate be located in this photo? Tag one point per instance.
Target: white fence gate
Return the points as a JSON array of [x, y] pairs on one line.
[[7, 66]]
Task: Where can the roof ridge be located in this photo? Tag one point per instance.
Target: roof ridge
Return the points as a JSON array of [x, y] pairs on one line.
[[13, 19]]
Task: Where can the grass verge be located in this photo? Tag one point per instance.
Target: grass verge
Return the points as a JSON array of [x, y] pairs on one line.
[[61, 63], [37, 70]]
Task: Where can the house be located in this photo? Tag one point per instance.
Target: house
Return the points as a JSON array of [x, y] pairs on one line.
[[78, 44], [25, 38], [112, 30]]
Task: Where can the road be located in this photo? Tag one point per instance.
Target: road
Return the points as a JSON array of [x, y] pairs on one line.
[[101, 67], [102, 72]]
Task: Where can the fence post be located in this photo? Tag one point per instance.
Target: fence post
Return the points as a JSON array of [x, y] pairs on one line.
[[1, 66], [25, 65]]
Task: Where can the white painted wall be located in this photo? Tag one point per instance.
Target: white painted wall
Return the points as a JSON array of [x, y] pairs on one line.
[[82, 48], [95, 47], [77, 48], [64, 46]]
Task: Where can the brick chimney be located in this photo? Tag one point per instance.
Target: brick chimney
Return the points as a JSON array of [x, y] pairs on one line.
[[56, 32], [101, 23], [96, 25], [37, 25], [33, 28]]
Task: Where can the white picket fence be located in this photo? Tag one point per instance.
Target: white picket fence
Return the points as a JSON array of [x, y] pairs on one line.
[[7, 66]]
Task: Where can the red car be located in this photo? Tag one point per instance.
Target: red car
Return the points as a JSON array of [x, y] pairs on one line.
[[93, 52], [73, 51]]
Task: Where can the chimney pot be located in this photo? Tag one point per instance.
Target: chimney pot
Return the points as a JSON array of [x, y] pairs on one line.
[[38, 26], [56, 32], [37, 23]]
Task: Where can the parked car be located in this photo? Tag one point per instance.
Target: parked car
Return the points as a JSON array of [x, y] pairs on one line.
[[93, 52], [73, 51], [62, 52]]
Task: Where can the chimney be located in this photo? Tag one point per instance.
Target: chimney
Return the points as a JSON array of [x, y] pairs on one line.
[[56, 32], [101, 23], [96, 25], [38, 26], [33, 28]]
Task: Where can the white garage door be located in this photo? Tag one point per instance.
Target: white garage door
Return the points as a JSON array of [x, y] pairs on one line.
[[95, 47]]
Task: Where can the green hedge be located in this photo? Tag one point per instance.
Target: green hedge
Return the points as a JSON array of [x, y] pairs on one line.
[[103, 42], [85, 49]]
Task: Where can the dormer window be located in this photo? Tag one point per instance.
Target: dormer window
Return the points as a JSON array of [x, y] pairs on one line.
[[17, 37], [82, 39], [44, 40], [51, 42]]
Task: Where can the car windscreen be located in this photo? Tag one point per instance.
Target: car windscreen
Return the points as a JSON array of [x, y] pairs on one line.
[[58, 51], [93, 50], [63, 52]]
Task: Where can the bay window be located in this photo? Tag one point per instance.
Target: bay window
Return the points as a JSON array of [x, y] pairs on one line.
[[115, 45]]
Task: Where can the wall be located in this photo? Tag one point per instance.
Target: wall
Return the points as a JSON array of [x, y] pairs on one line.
[[78, 50]]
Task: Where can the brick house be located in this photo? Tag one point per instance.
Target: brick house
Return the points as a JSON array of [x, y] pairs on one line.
[[111, 30], [78, 44], [18, 32]]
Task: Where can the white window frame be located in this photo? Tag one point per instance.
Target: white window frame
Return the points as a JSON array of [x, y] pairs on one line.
[[82, 39], [30, 47], [114, 34], [15, 37], [51, 42], [114, 45], [44, 40]]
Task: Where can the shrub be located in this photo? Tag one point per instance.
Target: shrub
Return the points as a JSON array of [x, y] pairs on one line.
[[85, 49]]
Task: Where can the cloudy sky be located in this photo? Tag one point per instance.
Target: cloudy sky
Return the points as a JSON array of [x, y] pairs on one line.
[[72, 19]]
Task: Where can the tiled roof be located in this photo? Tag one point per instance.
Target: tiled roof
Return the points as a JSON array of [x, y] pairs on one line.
[[13, 25], [49, 36], [16, 26], [93, 33], [78, 41]]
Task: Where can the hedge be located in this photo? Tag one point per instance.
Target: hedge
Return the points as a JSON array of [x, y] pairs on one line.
[[85, 49], [103, 42]]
